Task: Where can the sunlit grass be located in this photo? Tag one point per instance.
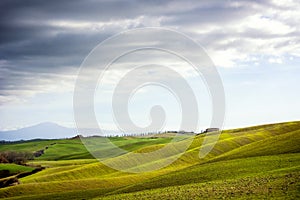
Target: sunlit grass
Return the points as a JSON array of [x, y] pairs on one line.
[[255, 162]]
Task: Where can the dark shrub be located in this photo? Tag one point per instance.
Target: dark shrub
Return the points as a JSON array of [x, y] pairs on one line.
[[15, 157]]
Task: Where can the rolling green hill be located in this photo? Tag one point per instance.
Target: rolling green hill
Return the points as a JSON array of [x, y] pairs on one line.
[[12, 169], [255, 162]]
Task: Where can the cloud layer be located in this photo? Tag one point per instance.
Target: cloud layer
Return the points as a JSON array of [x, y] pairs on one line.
[[42, 44]]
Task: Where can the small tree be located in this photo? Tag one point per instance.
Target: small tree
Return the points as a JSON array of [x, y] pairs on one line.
[[15, 157], [3, 159]]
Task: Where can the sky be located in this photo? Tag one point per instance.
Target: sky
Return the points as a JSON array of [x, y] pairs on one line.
[[255, 46]]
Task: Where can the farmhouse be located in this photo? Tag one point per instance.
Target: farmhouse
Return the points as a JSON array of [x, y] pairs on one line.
[[211, 130]]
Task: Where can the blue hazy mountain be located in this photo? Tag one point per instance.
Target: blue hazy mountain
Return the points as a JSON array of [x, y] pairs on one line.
[[45, 130], [49, 130]]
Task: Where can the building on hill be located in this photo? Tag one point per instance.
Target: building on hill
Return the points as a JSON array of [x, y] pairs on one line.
[[211, 130], [76, 137]]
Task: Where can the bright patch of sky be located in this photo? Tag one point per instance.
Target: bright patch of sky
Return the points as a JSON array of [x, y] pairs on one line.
[[255, 46]]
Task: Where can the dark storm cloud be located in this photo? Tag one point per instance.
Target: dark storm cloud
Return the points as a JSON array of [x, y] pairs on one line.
[[26, 29], [31, 48], [43, 39]]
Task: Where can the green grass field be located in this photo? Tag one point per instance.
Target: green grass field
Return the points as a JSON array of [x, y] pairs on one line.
[[261, 162], [13, 169]]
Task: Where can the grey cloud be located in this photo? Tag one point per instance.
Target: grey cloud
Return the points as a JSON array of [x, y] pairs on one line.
[[33, 45]]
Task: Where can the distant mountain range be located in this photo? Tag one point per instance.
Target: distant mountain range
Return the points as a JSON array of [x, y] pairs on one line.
[[45, 130], [49, 130]]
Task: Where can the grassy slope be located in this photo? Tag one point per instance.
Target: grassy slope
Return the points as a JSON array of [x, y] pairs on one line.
[[57, 149], [7, 170], [280, 143], [84, 177], [29, 146], [266, 175], [262, 187], [15, 169], [68, 149], [240, 177]]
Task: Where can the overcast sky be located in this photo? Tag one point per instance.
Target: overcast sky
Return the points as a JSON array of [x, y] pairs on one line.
[[254, 44]]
